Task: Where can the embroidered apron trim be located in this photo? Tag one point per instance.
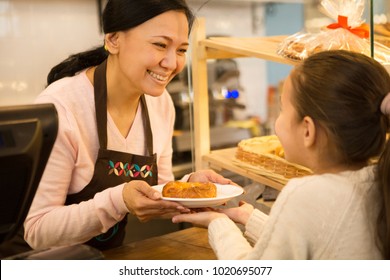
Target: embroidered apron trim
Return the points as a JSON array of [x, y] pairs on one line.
[[129, 170]]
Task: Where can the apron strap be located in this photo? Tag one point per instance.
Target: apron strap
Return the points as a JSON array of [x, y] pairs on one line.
[[100, 89], [148, 129]]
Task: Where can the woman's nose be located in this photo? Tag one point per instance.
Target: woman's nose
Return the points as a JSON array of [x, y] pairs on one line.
[[169, 61]]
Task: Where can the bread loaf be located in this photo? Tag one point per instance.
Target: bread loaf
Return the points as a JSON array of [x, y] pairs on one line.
[[178, 189], [261, 145]]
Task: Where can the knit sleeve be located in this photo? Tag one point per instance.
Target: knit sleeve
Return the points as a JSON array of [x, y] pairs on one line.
[[254, 226], [227, 240], [284, 234]]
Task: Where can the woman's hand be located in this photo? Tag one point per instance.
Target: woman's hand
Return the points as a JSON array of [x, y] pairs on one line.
[[145, 202], [209, 175], [202, 219]]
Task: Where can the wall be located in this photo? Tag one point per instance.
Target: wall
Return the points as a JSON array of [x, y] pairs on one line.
[[274, 25], [37, 34]]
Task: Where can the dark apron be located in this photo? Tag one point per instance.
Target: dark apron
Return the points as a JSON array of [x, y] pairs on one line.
[[113, 168]]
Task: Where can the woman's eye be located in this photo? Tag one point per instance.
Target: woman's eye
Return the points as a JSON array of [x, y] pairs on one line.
[[182, 51], [161, 45]]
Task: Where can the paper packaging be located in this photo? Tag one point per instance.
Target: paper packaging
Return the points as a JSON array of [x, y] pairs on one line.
[[348, 32]]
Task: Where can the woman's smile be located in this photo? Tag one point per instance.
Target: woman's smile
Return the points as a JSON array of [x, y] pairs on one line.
[[158, 77]]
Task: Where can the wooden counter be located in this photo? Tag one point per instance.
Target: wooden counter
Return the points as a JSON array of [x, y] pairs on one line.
[[186, 244]]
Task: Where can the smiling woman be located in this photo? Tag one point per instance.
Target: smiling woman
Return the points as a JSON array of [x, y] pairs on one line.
[[116, 124], [158, 45]]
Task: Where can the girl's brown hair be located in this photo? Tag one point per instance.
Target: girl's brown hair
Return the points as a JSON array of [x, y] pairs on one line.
[[342, 91]]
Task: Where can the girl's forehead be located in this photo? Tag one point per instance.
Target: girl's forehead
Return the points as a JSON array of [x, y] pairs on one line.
[[287, 86]]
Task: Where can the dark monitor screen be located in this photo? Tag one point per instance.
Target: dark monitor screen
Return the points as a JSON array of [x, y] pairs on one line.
[[27, 136], [6, 139]]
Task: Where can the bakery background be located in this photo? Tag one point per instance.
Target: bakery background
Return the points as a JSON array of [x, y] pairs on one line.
[[37, 34]]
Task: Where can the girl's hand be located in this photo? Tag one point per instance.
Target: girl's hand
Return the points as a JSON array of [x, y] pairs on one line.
[[239, 214], [202, 219]]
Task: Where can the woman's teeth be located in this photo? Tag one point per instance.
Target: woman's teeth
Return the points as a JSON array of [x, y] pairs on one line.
[[156, 76]]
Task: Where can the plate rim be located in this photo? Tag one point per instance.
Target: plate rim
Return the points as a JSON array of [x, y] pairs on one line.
[[209, 199]]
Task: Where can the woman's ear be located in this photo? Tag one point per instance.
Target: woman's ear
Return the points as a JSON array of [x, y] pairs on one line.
[[309, 132], [111, 42]]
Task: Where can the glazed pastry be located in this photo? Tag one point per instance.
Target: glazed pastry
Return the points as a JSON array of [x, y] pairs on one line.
[[178, 189]]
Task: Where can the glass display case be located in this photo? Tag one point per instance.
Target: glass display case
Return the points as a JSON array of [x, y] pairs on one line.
[[380, 22]]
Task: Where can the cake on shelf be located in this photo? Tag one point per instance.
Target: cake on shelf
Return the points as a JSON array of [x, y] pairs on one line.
[[382, 33], [264, 155]]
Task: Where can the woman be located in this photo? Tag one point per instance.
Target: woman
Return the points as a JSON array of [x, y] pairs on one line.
[[334, 116], [115, 129]]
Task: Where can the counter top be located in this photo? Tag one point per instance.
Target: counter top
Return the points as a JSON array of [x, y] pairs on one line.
[[187, 244]]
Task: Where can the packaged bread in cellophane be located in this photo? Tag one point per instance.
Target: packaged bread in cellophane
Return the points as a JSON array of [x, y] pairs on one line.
[[347, 32]]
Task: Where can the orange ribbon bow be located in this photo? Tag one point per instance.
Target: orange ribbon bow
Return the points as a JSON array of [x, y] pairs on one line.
[[362, 31]]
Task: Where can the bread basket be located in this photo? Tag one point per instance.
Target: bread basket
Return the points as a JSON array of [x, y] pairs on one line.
[[269, 165]]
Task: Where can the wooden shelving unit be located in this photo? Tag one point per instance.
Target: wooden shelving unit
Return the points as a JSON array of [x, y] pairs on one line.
[[223, 48], [223, 159]]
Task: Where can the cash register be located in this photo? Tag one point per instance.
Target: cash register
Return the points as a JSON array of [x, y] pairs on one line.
[[27, 136]]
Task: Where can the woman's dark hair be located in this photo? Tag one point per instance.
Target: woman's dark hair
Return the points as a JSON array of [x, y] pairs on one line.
[[118, 15], [342, 91]]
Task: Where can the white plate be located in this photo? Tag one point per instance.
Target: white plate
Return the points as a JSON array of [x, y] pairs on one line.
[[224, 194]]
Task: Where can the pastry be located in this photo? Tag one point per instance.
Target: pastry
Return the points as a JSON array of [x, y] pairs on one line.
[[262, 145], [300, 45], [178, 189]]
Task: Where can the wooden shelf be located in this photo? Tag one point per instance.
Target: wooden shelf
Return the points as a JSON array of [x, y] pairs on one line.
[[256, 47], [223, 159]]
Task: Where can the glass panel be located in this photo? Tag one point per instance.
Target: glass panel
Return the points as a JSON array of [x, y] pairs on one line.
[[381, 24]]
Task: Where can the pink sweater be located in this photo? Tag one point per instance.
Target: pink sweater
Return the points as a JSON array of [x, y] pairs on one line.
[[71, 164]]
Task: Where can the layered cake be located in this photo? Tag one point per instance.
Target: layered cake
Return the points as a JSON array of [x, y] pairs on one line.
[[261, 145], [382, 33]]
